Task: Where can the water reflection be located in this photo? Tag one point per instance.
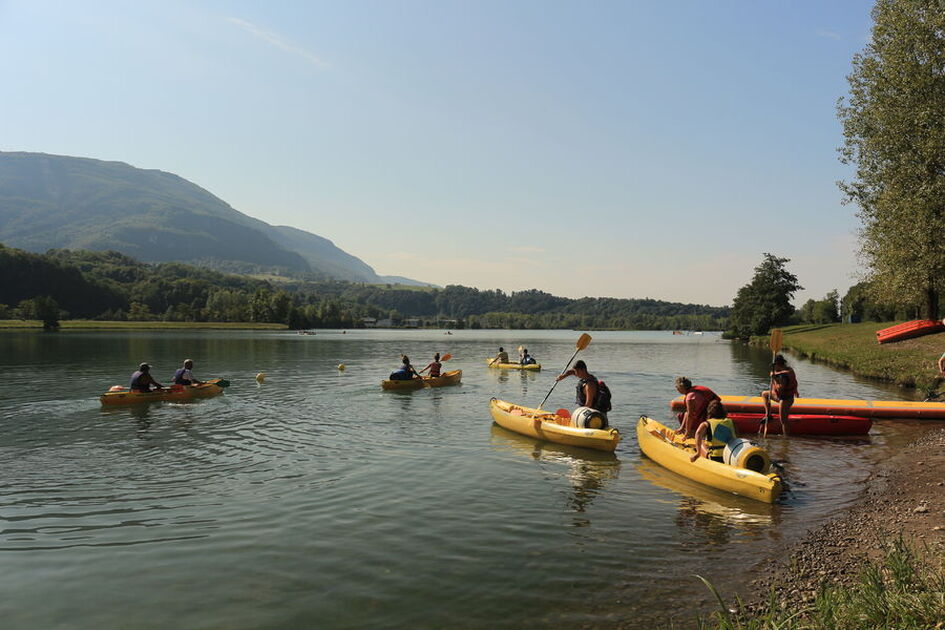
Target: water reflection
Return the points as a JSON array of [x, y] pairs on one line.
[[588, 471], [714, 516]]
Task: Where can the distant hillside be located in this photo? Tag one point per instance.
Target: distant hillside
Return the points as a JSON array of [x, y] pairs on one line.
[[57, 202]]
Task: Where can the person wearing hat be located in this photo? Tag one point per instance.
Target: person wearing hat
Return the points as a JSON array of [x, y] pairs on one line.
[[141, 381], [184, 376]]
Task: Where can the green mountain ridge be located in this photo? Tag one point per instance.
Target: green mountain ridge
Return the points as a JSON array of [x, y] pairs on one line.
[[59, 202]]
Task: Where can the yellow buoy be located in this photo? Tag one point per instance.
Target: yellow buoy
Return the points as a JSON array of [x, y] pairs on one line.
[[260, 377], [341, 367]]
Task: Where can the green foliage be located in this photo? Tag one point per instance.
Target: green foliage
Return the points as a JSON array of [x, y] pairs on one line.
[[894, 134], [901, 592], [765, 302], [825, 311], [859, 306]]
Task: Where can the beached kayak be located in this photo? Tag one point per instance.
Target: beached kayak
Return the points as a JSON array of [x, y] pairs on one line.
[[545, 425], [514, 366], [836, 407], [175, 393], [659, 444], [908, 330], [447, 378], [750, 423]]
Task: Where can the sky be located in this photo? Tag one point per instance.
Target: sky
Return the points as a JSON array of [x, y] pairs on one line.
[[624, 149]]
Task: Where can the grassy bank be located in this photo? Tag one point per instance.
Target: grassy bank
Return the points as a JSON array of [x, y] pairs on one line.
[[902, 592], [909, 363], [88, 324]]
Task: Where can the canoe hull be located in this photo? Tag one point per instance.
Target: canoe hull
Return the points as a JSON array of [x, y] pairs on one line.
[[531, 367], [171, 394], [908, 330], [750, 424], [836, 407], [449, 378], [544, 425], [657, 443]]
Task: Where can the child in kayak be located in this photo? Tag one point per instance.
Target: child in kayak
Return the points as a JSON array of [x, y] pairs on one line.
[[141, 380], [406, 371], [434, 367], [501, 357], [525, 358], [783, 390]]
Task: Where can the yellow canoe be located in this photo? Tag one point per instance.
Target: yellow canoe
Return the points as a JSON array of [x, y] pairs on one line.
[[545, 425], [447, 378], [174, 393], [660, 444], [836, 407], [514, 366]]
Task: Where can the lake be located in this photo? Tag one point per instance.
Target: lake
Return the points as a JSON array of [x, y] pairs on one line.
[[315, 499]]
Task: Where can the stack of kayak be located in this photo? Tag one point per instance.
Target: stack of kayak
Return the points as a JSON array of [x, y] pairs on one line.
[[551, 427], [835, 407], [447, 378], [748, 477], [531, 367], [119, 395]]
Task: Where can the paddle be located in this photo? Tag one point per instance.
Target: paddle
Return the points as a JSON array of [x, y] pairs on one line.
[[774, 342], [583, 341]]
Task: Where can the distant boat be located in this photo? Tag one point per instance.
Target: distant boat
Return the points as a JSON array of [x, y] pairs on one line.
[[698, 332]]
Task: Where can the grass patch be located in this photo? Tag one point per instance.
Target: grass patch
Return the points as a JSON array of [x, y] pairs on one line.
[[88, 324], [900, 592], [910, 363]]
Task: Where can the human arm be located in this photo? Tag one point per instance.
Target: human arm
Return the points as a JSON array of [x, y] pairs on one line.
[[564, 375], [941, 364]]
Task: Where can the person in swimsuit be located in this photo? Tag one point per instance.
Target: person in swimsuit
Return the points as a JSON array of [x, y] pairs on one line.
[[783, 391]]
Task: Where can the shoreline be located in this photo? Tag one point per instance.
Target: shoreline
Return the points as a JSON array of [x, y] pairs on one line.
[[68, 325], [903, 499]]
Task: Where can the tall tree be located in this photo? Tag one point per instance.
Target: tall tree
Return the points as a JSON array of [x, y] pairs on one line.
[[766, 300], [894, 134]]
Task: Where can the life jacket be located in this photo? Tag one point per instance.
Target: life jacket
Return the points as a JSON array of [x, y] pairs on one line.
[[435, 368], [721, 432], [784, 385], [136, 384], [602, 398], [179, 377], [707, 396]]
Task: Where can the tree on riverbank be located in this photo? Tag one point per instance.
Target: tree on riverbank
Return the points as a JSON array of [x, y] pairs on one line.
[[764, 302], [894, 134]]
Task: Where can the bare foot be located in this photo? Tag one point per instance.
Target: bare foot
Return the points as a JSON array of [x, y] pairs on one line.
[[694, 457]]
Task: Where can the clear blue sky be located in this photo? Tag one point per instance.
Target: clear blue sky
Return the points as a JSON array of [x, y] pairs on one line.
[[630, 149]]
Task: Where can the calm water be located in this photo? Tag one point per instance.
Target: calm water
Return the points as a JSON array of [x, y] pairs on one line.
[[317, 500]]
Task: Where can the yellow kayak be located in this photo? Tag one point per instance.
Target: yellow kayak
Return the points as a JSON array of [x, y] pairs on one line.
[[545, 425], [447, 378], [175, 393], [660, 444], [514, 366]]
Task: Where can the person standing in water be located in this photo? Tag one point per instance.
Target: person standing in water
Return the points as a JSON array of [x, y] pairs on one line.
[[783, 391]]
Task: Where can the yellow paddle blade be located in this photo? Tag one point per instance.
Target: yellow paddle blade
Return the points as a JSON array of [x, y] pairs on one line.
[[583, 341], [776, 341], [446, 357]]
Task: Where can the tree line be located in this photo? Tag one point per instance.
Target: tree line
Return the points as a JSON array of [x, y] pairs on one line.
[[64, 284]]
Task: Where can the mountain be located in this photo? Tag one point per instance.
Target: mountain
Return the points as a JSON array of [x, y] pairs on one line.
[[59, 202]]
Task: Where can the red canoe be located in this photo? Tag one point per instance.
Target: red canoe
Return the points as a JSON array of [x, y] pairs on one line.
[[908, 330], [750, 423]]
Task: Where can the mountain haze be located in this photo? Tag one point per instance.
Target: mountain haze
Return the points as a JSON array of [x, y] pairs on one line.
[[59, 202]]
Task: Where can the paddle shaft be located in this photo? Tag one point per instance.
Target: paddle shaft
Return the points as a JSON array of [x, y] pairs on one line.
[[567, 365], [775, 343]]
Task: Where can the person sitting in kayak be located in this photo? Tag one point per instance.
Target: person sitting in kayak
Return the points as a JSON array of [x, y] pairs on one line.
[[406, 371], [783, 391], [697, 399], [141, 380], [184, 375], [501, 357], [586, 393], [434, 367], [525, 358], [714, 433]]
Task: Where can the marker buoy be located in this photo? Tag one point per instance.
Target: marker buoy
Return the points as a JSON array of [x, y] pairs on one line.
[[341, 367], [260, 377]]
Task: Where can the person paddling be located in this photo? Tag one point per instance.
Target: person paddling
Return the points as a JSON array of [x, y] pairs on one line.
[[588, 387], [141, 380], [525, 358], [405, 372], [184, 375], [434, 367], [783, 391], [501, 356], [697, 399]]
